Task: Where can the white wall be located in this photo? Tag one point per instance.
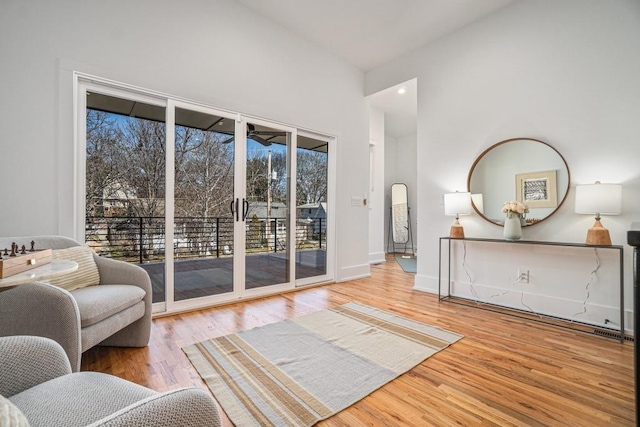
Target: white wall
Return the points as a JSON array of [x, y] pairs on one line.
[[565, 72], [389, 179], [376, 186], [216, 52], [401, 167]]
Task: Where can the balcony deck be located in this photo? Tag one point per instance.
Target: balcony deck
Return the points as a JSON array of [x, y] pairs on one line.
[[201, 277]]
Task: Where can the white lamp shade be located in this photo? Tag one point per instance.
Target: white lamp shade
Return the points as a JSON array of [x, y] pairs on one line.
[[457, 204], [478, 201], [605, 199]]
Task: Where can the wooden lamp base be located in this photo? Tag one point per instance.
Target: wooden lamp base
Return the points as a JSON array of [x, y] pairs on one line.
[[457, 232], [598, 235]]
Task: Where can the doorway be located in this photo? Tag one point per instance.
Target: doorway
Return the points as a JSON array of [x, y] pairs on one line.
[[393, 127]]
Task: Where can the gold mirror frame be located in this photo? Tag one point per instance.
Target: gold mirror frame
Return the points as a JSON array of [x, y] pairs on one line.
[[560, 198]]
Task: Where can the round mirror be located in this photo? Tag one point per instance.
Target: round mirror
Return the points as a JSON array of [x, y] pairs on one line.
[[522, 169]]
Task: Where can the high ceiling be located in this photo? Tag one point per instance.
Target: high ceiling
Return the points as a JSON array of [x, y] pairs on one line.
[[365, 33], [400, 106], [369, 33]]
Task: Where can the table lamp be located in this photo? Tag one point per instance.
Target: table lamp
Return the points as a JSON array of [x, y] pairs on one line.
[[456, 204], [599, 199]]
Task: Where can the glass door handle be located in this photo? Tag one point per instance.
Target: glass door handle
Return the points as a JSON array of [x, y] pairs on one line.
[[245, 209], [235, 209]]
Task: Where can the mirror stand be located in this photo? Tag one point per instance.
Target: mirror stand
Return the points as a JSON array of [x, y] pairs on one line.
[[400, 219], [408, 243]]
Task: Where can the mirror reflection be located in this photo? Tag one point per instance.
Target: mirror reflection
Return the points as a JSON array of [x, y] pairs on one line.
[[522, 169], [399, 213]]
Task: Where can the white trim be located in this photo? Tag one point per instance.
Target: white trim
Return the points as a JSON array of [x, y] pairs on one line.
[[426, 284], [169, 208], [354, 272], [198, 303], [372, 167], [330, 244], [79, 157], [240, 193], [377, 258], [159, 308], [521, 298], [292, 185], [132, 92], [314, 280]]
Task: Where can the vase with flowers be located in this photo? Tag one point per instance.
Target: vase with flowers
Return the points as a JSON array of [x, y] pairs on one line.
[[512, 225]]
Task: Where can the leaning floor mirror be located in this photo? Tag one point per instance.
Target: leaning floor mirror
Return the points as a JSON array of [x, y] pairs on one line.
[[399, 220]]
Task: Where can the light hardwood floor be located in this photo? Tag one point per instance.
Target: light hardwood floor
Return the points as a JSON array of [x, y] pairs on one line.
[[505, 371]]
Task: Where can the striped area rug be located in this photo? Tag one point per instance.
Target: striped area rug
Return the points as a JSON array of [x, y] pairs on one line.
[[299, 371]]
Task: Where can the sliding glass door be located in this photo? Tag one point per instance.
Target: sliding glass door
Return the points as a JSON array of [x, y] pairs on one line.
[[203, 225], [312, 208], [268, 215], [214, 206], [125, 180]]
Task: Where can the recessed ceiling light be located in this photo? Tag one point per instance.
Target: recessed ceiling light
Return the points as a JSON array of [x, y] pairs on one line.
[[401, 90]]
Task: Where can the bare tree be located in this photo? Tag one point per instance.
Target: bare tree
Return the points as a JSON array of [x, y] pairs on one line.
[[204, 184], [101, 170], [126, 166], [312, 177]]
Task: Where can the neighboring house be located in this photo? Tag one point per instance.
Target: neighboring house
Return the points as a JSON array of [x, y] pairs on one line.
[[259, 210], [317, 213], [311, 220], [258, 232], [116, 199]]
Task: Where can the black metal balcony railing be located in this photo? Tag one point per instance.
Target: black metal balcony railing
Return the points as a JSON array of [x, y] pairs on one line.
[[142, 239]]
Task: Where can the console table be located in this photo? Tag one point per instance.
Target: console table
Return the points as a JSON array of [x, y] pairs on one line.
[[442, 297]]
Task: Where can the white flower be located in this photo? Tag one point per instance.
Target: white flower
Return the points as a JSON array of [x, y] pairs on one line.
[[514, 206]]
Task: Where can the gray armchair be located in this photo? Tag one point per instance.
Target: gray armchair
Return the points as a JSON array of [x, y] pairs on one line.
[[117, 312], [36, 378]]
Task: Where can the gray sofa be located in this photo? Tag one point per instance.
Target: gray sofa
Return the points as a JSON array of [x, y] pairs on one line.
[[36, 379], [117, 312]]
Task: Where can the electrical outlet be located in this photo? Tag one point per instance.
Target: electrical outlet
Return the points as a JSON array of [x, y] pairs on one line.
[[523, 276]]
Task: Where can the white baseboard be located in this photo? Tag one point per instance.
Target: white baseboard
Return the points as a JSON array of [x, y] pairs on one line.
[[354, 272], [377, 258], [544, 304], [426, 284]]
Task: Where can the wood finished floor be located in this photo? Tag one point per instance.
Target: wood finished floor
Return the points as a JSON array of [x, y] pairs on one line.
[[505, 371]]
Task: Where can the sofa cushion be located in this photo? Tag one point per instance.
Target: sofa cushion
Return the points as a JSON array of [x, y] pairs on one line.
[[87, 273], [77, 399], [96, 303], [10, 415]]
